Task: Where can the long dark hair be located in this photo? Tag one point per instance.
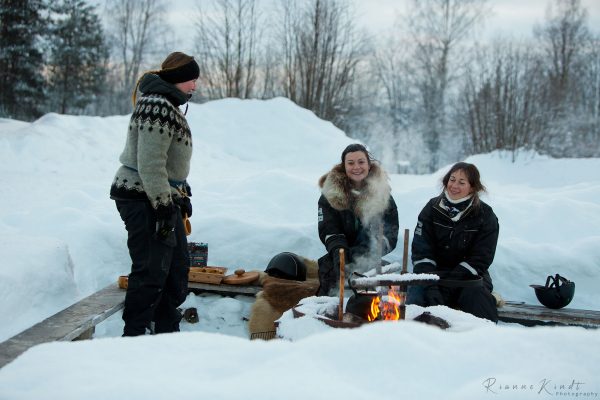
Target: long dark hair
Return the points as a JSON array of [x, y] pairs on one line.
[[473, 176]]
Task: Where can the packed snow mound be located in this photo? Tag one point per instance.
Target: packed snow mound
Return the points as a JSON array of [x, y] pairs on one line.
[[254, 177], [36, 278], [268, 134], [377, 361]]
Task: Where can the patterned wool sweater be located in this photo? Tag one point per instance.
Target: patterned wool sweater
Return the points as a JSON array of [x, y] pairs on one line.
[[156, 158]]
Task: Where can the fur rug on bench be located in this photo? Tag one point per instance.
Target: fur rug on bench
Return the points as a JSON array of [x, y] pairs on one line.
[[278, 296]]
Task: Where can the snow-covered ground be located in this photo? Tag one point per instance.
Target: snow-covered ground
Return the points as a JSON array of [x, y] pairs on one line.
[[254, 174]]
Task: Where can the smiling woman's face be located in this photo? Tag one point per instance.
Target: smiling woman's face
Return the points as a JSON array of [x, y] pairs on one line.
[[458, 185], [356, 165]]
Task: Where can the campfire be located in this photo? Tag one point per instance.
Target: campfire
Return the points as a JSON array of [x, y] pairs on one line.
[[373, 306], [387, 307], [377, 298]]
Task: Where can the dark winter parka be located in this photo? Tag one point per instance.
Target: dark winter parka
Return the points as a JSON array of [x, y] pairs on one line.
[[440, 243], [353, 219]]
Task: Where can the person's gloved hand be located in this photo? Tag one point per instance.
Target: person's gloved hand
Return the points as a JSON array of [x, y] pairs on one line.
[[433, 296], [334, 244], [166, 218], [185, 204], [424, 268], [335, 255], [188, 189], [460, 272]]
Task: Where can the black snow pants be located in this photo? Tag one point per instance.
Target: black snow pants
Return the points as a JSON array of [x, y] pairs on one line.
[[473, 300], [158, 282]]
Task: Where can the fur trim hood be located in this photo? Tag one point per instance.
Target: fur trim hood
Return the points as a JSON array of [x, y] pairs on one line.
[[372, 200]]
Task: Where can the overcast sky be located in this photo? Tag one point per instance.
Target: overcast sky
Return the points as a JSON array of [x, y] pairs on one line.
[[509, 17]]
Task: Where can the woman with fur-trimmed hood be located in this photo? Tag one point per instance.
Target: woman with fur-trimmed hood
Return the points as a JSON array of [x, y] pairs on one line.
[[357, 213]]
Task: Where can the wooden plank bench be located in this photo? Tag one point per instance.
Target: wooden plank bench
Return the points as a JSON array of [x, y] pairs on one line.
[[72, 323], [79, 320], [532, 315]]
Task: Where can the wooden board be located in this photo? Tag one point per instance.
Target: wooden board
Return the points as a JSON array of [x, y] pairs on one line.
[[209, 274], [66, 325], [241, 277], [212, 275], [531, 315]]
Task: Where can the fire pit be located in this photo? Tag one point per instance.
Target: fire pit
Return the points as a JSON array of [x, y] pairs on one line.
[[364, 306], [378, 298]]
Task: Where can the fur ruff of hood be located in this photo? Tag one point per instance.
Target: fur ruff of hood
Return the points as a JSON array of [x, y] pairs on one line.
[[370, 202]]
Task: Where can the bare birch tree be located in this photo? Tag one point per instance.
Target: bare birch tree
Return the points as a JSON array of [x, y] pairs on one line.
[[563, 38], [437, 28], [321, 50], [138, 38], [567, 48], [227, 47], [501, 101]]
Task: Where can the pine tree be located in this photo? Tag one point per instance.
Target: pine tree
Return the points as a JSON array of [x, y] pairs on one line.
[[78, 56], [21, 61]]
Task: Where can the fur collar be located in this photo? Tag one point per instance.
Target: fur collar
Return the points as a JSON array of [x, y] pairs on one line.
[[371, 201]]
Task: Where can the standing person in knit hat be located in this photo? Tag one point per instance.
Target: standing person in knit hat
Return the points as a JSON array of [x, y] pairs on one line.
[[152, 196], [457, 234]]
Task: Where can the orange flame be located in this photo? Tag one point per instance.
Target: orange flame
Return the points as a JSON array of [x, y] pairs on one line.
[[387, 307], [374, 312], [391, 306]]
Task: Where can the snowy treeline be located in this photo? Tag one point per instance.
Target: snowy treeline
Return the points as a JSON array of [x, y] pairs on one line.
[[424, 94]]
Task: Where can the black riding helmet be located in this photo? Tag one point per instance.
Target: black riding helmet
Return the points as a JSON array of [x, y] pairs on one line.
[[557, 293], [287, 266]]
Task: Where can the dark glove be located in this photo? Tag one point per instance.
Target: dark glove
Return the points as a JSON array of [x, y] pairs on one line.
[[433, 296], [335, 255], [185, 204], [424, 268], [461, 273], [328, 276], [188, 190], [166, 218], [333, 244]]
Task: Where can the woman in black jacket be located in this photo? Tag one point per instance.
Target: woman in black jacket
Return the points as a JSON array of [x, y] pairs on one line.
[[356, 213], [152, 195], [457, 233]]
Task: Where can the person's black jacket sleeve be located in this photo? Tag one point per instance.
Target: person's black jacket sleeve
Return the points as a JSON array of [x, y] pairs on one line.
[[483, 247], [331, 227], [390, 227], [422, 251]]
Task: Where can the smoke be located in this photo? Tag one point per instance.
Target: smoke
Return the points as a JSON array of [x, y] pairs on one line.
[[373, 202]]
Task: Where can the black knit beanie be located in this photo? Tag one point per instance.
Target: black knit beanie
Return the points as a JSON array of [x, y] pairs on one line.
[[186, 72]]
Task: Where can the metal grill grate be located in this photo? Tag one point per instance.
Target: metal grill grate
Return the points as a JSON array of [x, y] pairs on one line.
[[268, 335]]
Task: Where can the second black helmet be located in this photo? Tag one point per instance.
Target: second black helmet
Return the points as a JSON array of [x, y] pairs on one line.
[[557, 293]]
